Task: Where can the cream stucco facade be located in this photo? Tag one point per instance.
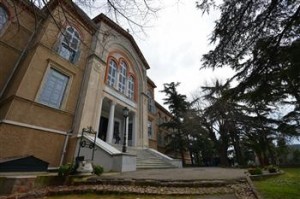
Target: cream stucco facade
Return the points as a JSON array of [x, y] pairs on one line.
[[52, 86], [102, 100]]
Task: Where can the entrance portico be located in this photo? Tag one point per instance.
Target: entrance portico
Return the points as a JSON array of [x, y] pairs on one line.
[[112, 123]]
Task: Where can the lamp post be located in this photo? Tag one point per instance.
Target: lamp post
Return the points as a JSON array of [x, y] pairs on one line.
[[125, 115]]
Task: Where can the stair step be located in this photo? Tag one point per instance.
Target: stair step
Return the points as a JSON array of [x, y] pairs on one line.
[[145, 159]]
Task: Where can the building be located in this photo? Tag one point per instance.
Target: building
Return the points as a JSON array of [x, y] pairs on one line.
[[62, 72]]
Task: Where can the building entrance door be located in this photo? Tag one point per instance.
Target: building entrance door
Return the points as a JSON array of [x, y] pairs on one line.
[[130, 134], [117, 135], [103, 128]]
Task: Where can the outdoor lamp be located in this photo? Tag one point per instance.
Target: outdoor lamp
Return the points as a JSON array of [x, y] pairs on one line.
[[125, 112], [125, 115]]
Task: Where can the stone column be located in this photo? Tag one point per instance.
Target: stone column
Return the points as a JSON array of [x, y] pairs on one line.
[[97, 115], [134, 129], [110, 127]]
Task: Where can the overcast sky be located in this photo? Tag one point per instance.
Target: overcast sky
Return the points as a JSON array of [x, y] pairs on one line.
[[175, 44]]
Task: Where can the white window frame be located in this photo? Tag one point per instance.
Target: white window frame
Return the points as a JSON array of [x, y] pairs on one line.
[[150, 129], [151, 104], [51, 71], [119, 78], [112, 73], [3, 17], [130, 88], [122, 77], [69, 44]]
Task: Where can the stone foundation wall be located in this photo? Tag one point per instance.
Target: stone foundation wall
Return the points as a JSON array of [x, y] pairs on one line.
[[9, 185]]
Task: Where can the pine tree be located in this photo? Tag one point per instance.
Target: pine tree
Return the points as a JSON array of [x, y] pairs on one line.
[[178, 106], [260, 41]]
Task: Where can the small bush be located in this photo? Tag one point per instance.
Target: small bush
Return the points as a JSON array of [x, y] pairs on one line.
[[272, 169], [251, 164], [98, 170], [255, 171], [65, 170]]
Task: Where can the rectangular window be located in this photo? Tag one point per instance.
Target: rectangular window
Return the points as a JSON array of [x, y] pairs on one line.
[[54, 89], [160, 138], [151, 105], [150, 130], [130, 88]]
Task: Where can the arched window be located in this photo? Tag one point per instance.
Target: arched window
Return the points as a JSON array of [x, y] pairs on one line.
[[112, 73], [3, 17], [122, 77], [130, 87], [69, 45]]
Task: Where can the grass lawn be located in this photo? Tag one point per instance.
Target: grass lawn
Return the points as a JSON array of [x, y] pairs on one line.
[[286, 185]]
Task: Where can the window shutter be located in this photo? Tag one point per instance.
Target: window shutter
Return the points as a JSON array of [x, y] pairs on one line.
[[76, 57]]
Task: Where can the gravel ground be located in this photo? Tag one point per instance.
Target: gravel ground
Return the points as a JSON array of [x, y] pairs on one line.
[[184, 181], [240, 191]]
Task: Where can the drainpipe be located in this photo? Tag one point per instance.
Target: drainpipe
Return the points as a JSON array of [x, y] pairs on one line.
[[21, 57], [65, 147], [143, 122]]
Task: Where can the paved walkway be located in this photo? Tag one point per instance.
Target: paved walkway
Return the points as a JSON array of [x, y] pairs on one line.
[[181, 174]]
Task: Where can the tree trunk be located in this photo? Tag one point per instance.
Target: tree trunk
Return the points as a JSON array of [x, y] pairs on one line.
[[223, 155], [182, 156], [181, 147], [238, 151], [266, 158], [223, 147], [198, 158], [260, 158], [191, 156], [272, 154]]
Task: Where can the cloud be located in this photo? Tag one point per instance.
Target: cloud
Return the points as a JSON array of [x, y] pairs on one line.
[[175, 45]]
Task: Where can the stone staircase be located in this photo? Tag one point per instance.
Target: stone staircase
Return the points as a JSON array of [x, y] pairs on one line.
[[147, 159]]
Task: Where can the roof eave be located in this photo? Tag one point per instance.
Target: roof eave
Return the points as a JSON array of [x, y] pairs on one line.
[[82, 16], [119, 29], [151, 82]]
